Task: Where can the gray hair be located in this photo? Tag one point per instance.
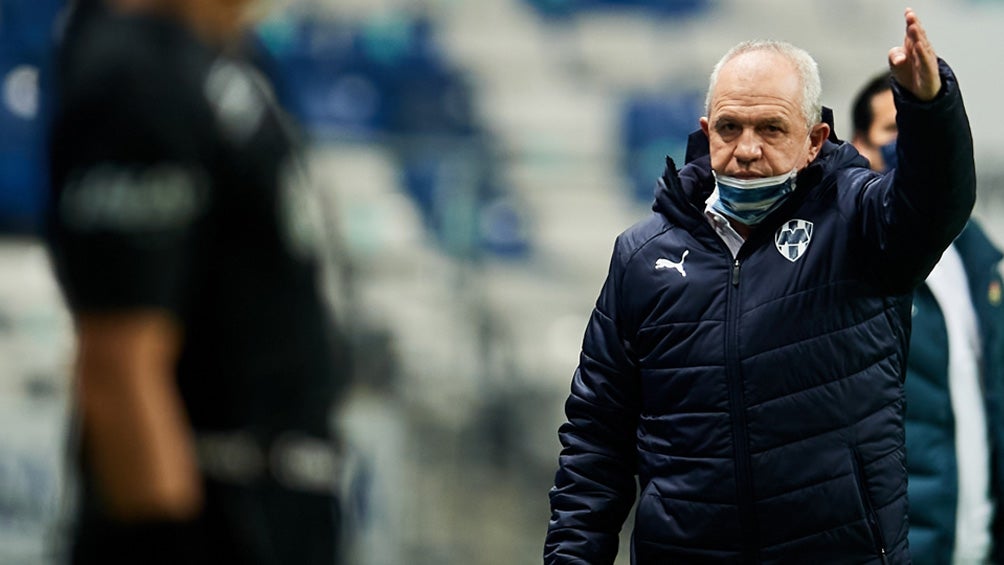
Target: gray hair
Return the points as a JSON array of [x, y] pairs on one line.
[[808, 72]]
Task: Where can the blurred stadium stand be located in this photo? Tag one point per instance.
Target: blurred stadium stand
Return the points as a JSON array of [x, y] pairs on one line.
[[476, 160], [570, 108], [386, 80], [35, 333]]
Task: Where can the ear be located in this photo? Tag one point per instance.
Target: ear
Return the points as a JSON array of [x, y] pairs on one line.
[[817, 136], [705, 126], [859, 142]]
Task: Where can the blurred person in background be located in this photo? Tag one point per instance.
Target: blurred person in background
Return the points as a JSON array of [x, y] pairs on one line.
[[954, 380], [182, 235], [744, 361]]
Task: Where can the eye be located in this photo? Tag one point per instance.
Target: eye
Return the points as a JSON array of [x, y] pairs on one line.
[[727, 128]]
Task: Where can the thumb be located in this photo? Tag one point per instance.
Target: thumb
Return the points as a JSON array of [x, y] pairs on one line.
[[897, 56]]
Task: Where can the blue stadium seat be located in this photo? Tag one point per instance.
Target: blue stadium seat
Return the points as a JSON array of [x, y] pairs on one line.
[[387, 80], [667, 8], [28, 24], [652, 127], [435, 103], [468, 213], [384, 76], [26, 43], [658, 7], [503, 229], [324, 82]]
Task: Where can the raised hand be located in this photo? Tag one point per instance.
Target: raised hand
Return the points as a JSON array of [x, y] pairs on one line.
[[914, 64]]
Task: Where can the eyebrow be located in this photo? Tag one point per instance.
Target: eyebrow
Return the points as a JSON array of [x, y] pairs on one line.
[[769, 121]]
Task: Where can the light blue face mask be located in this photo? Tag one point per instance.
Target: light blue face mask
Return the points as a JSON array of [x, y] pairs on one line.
[[750, 200]]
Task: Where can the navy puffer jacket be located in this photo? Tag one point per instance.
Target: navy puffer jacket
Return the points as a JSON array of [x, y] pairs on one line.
[[759, 400]]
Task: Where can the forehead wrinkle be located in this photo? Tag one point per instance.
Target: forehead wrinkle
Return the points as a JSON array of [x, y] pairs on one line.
[[758, 80]]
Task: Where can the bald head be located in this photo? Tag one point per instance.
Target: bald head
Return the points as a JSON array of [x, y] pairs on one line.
[[764, 115], [753, 58]]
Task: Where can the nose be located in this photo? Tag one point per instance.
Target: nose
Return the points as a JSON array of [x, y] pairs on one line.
[[747, 148]]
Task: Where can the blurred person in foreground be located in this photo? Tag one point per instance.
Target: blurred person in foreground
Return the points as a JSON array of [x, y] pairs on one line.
[[746, 354], [182, 237], [955, 377]]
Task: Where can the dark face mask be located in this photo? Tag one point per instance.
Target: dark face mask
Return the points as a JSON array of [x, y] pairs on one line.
[[888, 152]]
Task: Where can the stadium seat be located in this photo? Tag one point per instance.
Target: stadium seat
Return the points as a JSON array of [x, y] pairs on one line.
[[25, 71], [386, 80], [382, 76], [654, 126], [668, 8]]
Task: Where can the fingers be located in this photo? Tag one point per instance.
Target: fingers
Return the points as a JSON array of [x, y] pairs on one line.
[[914, 64], [898, 55], [916, 39]]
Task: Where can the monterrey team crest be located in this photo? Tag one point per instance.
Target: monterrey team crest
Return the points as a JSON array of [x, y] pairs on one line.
[[792, 238]]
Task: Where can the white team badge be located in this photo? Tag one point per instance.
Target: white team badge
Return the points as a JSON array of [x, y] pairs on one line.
[[792, 238], [678, 265]]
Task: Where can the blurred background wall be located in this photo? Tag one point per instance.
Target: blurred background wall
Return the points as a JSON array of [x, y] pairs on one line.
[[476, 159]]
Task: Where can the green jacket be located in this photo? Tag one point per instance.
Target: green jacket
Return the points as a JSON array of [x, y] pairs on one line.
[[930, 423]]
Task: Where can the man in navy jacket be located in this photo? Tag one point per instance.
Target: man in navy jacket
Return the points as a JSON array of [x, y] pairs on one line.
[[744, 360]]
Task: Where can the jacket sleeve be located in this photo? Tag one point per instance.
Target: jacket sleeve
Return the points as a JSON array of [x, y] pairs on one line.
[[595, 485], [913, 213]]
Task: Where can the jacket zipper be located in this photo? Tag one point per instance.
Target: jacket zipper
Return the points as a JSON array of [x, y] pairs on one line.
[[744, 478], [876, 528]]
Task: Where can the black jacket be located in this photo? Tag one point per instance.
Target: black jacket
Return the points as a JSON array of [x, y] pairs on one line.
[[759, 400]]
